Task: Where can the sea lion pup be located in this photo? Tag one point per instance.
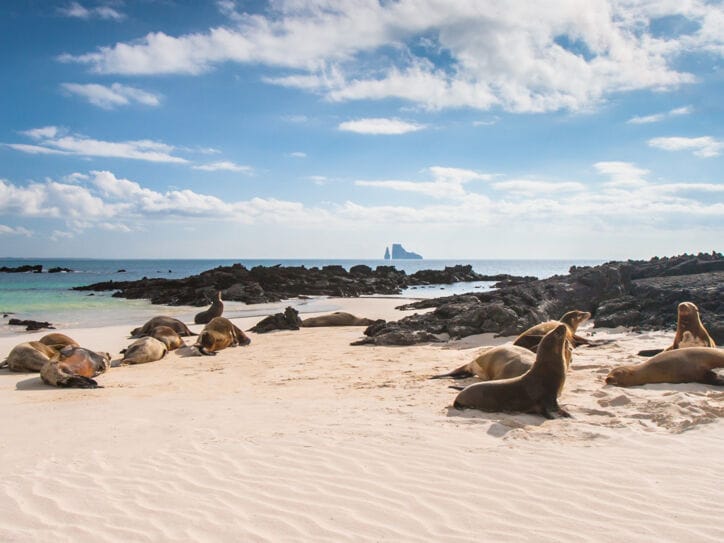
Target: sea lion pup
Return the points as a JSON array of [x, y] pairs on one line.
[[76, 368], [219, 334], [180, 328], [502, 362], [536, 391], [690, 331], [216, 309], [57, 341], [30, 356], [338, 318], [168, 337], [690, 365], [572, 319], [145, 349]]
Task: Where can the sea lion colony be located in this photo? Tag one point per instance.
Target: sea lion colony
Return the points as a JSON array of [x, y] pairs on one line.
[[527, 376]]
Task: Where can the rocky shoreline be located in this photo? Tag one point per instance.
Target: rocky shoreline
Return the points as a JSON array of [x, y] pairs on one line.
[[642, 295], [271, 284]]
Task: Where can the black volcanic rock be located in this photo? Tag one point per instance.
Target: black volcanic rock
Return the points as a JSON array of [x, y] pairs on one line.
[[58, 269], [275, 283], [34, 268], [638, 294], [30, 324]]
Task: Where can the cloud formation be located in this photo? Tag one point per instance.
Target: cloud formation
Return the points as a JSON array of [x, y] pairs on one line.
[[379, 126], [658, 117], [54, 140], [704, 146], [527, 56], [112, 97], [224, 165], [446, 183], [78, 11]]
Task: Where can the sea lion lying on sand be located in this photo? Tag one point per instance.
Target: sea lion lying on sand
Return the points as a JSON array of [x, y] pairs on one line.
[[180, 328], [219, 334], [690, 365], [690, 331], [145, 349], [493, 363], [168, 337], [338, 318], [536, 391], [57, 341], [30, 356], [572, 319], [76, 368], [215, 310]]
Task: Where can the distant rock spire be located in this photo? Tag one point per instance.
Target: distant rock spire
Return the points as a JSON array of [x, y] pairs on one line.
[[387, 253]]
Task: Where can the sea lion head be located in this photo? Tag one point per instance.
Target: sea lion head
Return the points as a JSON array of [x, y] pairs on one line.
[[618, 376], [688, 314], [575, 318], [556, 342]]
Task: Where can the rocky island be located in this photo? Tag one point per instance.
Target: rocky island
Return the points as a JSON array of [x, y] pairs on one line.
[[399, 253]]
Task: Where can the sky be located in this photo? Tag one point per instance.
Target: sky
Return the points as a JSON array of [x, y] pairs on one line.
[[333, 128]]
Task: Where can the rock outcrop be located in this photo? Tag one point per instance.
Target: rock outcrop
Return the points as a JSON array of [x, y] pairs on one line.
[[275, 283], [637, 294]]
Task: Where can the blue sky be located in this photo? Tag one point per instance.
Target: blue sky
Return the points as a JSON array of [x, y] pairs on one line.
[[329, 129]]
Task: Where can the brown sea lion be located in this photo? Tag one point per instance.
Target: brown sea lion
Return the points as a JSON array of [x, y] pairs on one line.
[[180, 328], [143, 350], [536, 391], [76, 368], [219, 334], [29, 356], [338, 318], [168, 337], [216, 309], [690, 331], [572, 319], [690, 365], [58, 341], [493, 363]]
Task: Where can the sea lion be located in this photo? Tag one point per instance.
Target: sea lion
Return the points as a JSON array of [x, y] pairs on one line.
[[218, 334], [338, 318], [536, 391], [57, 341], [215, 310], [690, 331], [168, 337], [493, 363], [76, 368], [145, 349], [180, 328], [29, 356], [572, 319], [690, 365]]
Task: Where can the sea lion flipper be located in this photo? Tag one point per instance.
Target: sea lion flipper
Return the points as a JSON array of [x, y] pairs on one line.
[[456, 387], [711, 378], [650, 352], [78, 381], [462, 372]]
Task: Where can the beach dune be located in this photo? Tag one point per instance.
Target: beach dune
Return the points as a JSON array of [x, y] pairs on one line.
[[302, 437]]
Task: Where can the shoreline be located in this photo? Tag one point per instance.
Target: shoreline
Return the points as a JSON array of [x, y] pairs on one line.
[[301, 436]]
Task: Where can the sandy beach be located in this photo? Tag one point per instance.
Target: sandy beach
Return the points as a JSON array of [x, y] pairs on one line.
[[302, 437]]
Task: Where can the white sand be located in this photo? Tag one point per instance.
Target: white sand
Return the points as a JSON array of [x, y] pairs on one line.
[[302, 437]]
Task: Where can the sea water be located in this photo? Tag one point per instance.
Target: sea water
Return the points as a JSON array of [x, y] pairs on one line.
[[48, 296]]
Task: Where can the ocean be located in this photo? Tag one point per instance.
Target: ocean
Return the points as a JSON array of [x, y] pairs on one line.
[[47, 296]]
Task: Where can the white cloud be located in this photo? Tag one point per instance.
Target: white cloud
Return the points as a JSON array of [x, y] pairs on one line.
[[529, 186], [447, 183], [14, 231], [704, 146], [114, 96], [224, 165], [657, 117], [380, 126], [52, 140], [78, 11], [524, 56], [298, 154], [622, 174]]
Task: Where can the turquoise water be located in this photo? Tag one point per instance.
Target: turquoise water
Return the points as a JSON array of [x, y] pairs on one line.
[[47, 297]]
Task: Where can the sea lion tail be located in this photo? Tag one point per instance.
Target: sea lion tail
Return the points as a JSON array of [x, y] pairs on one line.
[[650, 352]]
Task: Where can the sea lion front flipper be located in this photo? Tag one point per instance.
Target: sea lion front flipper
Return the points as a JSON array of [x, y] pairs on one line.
[[204, 352], [458, 373], [711, 378], [456, 387], [78, 381]]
